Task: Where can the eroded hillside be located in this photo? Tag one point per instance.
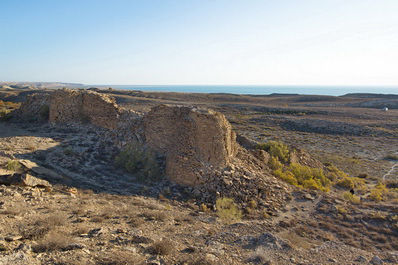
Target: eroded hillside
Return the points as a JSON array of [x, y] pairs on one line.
[[139, 183]]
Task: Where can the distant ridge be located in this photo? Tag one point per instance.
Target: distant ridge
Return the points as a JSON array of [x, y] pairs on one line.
[[39, 84], [371, 95]]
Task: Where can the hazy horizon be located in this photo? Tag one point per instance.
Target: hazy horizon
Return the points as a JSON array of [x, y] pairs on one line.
[[228, 43]]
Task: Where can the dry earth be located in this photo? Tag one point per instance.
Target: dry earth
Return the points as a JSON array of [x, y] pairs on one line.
[[97, 214]]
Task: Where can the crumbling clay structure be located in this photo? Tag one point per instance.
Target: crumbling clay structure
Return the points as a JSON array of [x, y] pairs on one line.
[[72, 105], [192, 140]]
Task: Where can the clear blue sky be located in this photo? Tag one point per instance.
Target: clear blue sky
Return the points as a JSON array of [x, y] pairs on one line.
[[226, 42]]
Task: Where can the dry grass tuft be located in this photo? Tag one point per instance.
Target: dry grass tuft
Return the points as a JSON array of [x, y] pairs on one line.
[[154, 215], [164, 247], [42, 226], [55, 240], [119, 258]]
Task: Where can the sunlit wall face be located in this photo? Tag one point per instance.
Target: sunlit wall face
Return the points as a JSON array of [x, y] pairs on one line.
[[306, 42]]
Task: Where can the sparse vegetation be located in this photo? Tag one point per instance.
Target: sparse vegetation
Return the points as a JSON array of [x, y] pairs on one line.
[[228, 211], [164, 247], [351, 197], [378, 193], [13, 165], [140, 161], [7, 107], [276, 149], [55, 240], [304, 176]]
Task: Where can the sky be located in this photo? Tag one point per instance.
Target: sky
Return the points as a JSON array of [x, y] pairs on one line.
[[202, 42]]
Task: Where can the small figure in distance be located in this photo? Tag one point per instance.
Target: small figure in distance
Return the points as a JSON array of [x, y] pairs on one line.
[[352, 191]]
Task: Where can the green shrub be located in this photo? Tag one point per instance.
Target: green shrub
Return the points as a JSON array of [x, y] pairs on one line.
[[274, 163], [376, 195], [351, 197], [139, 160], [276, 149], [304, 177], [13, 165], [228, 211], [345, 183], [308, 177], [379, 192], [286, 176], [334, 173]]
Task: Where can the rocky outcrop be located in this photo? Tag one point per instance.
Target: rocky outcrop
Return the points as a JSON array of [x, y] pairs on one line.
[[87, 106], [192, 141], [11, 178]]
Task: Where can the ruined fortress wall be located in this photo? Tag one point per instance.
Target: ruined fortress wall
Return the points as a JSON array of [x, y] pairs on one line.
[[36, 105], [71, 105], [192, 141], [102, 110], [65, 106]]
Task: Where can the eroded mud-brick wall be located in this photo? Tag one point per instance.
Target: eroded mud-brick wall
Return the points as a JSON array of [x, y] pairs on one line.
[[72, 105], [193, 141]]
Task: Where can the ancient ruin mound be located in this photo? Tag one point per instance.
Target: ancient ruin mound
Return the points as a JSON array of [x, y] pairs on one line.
[[192, 141], [72, 105]]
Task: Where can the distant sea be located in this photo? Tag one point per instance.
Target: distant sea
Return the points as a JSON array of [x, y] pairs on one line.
[[260, 90]]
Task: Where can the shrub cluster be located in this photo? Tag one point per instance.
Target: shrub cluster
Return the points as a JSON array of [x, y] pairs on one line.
[[7, 107], [351, 197], [304, 176], [276, 149], [228, 211], [140, 161], [13, 165], [377, 194]]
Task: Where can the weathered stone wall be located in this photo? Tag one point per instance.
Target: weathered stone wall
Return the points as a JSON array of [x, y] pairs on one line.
[[35, 107], [66, 105], [74, 105], [192, 141]]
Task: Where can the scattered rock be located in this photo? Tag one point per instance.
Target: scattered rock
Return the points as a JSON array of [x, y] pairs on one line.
[[24, 180], [40, 170], [74, 246], [13, 237], [376, 261], [361, 259], [4, 172], [95, 232]]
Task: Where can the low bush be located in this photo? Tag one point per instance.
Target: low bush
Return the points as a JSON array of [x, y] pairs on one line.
[[164, 247], [274, 163], [378, 193], [345, 183], [334, 173], [228, 211], [13, 165], [53, 241], [276, 149], [351, 197], [6, 108], [304, 177], [139, 160]]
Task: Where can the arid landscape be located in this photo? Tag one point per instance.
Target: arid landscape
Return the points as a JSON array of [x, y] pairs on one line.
[[93, 176]]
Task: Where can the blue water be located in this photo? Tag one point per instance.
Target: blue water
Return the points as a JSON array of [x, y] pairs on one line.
[[261, 90]]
